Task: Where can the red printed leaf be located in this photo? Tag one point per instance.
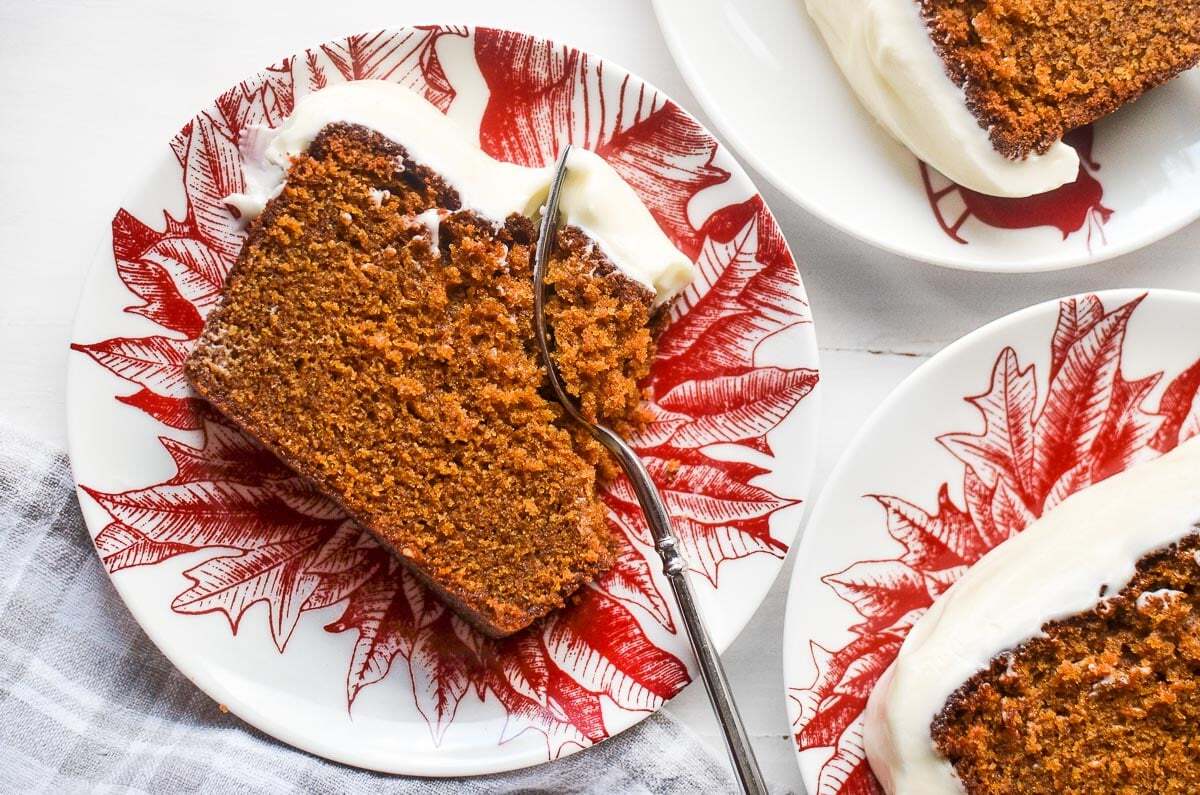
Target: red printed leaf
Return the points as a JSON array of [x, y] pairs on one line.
[[808, 699], [924, 546], [1079, 398], [274, 573], [542, 96], [179, 142], [525, 666], [266, 100], [193, 465], [659, 429], [880, 590], [131, 237], [227, 454], [155, 363], [278, 91], [979, 498], [1076, 317], [773, 293], [539, 695], [666, 158], [316, 72], [1010, 514], [708, 546], [954, 529], [212, 171], [1006, 445], [408, 57], [1128, 429], [387, 611], [180, 413], [735, 408], [531, 108], [602, 646], [122, 547], [737, 301], [836, 713], [863, 672], [1073, 480], [439, 666], [174, 271], [847, 772], [578, 705], [704, 492], [524, 714], [1180, 408], [936, 583], [812, 725], [342, 565], [164, 305], [197, 272], [206, 513], [714, 513]]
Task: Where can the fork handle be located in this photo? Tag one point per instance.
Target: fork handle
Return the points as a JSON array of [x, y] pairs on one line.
[[716, 683], [741, 753]]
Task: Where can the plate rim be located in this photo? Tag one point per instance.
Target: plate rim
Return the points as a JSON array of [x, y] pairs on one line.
[[792, 621], [406, 762], [730, 131]]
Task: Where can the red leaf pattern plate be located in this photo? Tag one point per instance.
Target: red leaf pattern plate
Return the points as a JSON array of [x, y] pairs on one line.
[[273, 602], [1057, 397]]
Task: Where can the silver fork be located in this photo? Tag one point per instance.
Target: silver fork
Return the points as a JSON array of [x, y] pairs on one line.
[[674, 566]]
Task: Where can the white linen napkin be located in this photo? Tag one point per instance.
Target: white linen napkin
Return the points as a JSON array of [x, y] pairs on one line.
[[89, 704]]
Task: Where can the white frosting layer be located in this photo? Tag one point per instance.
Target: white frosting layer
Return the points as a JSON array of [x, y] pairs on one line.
[[595, 198], [884, 49], [1054, 569]]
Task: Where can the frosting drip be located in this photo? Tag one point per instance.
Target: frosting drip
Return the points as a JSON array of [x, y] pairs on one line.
[[884, 49]]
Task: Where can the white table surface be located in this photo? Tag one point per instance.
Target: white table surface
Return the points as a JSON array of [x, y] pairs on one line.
[[89, 87]]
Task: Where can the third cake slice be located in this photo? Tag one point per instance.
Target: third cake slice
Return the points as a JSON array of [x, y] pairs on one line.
[[984, 90], [1066, 659]]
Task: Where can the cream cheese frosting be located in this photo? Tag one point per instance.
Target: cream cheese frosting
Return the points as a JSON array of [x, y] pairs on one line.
[[595, 198], [1054, 569], [884, 49]]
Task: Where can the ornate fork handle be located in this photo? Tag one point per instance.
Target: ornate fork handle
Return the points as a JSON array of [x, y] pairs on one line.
[[712, 672]]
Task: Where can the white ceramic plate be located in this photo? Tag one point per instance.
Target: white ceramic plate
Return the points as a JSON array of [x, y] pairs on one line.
[[764, 76], [295, 619], [1128, 391]]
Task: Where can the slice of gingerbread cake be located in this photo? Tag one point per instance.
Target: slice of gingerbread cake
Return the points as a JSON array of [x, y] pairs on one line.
[[376, 333], [1067, 659], [985, 90]]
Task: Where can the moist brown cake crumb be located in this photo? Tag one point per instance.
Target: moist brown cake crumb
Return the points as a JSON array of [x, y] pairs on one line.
[[1033, 70], [399, 374], [1107, 701]]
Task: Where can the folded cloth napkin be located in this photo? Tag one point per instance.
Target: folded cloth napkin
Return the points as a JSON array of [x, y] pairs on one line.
[[89, 704]]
